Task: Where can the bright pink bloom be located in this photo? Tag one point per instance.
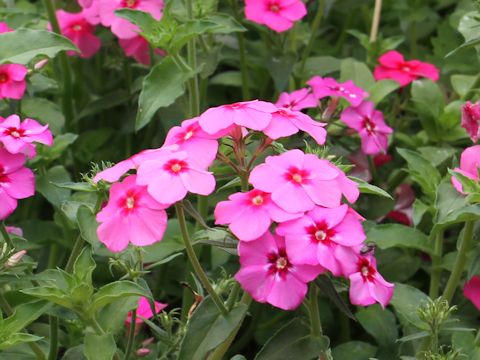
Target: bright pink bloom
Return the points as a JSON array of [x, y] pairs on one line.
[[91, 10], [170, 177], [12, 81], [394, 67], [18, 137], [80, 32], [323, 87], [278, 15], [255, 115], [137, 48], [4, 27], [14, 230], [472, 291], [403, 210], [471, 119], [314, 238], [144, 310], [286, 122], [249, 215], [370, 125], [469, 166], [299, 181], [131, 216], [268, 274], [297, 100], [16, 181]]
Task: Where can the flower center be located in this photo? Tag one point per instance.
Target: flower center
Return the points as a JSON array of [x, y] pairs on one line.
[[130, 203], [176, 166], [257, 200], [297, 176], [15, 132], [77, 27], [366, 269], [281, 263], [369, 126], [320, 232], [188, 135], [275, 8], [3, 177], [130, 3], [3, 78], [406, 68], [320, 235]]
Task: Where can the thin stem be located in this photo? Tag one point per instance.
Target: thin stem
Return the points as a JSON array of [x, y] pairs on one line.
[[232, 298], [460, 262], [436, 271], [376, 20], [53, 351], [242, 55], [192, 62], [315, 322], [372, 168], [194, 260], [5, 235], [131, 335], [77, 249]]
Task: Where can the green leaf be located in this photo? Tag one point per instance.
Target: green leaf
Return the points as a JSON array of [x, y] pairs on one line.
[[396, 235], [462, 83], [60, 144], [17, 339], [328, 289], [381, 89], [46, 112], [84, 266], [51, 294], [319, 65], [429, 103], [366, 188], [99, 347], [24, 315], [358, 72], [380, 323], [280, 69], [114, 291], [354, 350], [406, 300], [23, 45], [52, 193], [88, 225]]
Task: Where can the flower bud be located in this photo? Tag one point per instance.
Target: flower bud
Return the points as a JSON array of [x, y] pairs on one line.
[[15, 259]]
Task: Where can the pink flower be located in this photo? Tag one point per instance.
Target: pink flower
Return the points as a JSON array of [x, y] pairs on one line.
[[370, 125], [278, 15], [131, 216], [469, 165], [18, 137], [91, 10], [297, 100], [144, 310], [471, 119], [298, 181], [14, 230], [314, 238], [137, 48], [323, 87], [268, 274], [255, 115], [403, 210], [249, 215], [80, 31], [16, 181], [190, 137], [394, 67], [12, 81], [472, 291], [286, 122], [4, 27], [171, 176]]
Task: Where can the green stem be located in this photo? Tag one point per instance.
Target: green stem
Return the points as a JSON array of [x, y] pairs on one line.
[[232, 298], [131, 335], [436, 271], [53, 351], [372, 168], [194, 260], [242, 55], [77, 249], [376, 21], [460, 262], [192, 62], [6, 236], [315, 322]]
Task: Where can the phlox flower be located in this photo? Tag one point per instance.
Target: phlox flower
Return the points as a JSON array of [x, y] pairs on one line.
[[170, 177], [268, 274], [370, 126], [75, 27], [278, 15], [286, 122], [144, 310], [137, 48], [314, 238], [14, 230], [4, 27], [299, 181], [254, 115], [250, 214], [12, 81], [16, 181], [471, 119], [91, 10], [393, 66], [403, 210], [297, 100], [18, 137], [131, 216], [469, 166], [471, 290], [324, 87]]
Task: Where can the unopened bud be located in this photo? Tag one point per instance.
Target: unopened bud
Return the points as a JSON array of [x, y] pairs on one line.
[[15, 258], [142, 352]]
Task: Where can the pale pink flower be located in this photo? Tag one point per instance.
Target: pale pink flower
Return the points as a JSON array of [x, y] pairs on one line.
[[393, 66], [471, 290], [16, 181], [170, 177], [370, 126], [15, 258], [268, 274], [299, 181], [278, 15], [14, 230], [12, 81], [254, 115], [324, 87], [91, 10], [131, 216], [142, 352], [471, 119], [286, 122], [18, 137], [469, 166], [250, 214], [144, 310], [297, 100], [4, 27]]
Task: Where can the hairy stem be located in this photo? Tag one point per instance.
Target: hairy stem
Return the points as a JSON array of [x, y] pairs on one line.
[[53, 350], [315, 322]]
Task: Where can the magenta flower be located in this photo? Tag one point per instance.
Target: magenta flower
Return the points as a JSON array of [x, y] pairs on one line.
[[323, 87], [249, 215], [286, 122], [314, 238], [471, 119], [91, 10], [393, 66], [137, 48], [268, 274], [298, 181], [75, 27], [469, 166], [12, 81], [297, 100], [170, 177], [14, 230], [278, 15], [131, 216], [370, 125], [255, 115], [18, 137], [16, 181], [471, 291], [144, 310], [4, 27], [403, 210]]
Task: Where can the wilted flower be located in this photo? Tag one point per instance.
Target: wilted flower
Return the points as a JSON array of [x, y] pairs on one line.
[[471, 119]]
